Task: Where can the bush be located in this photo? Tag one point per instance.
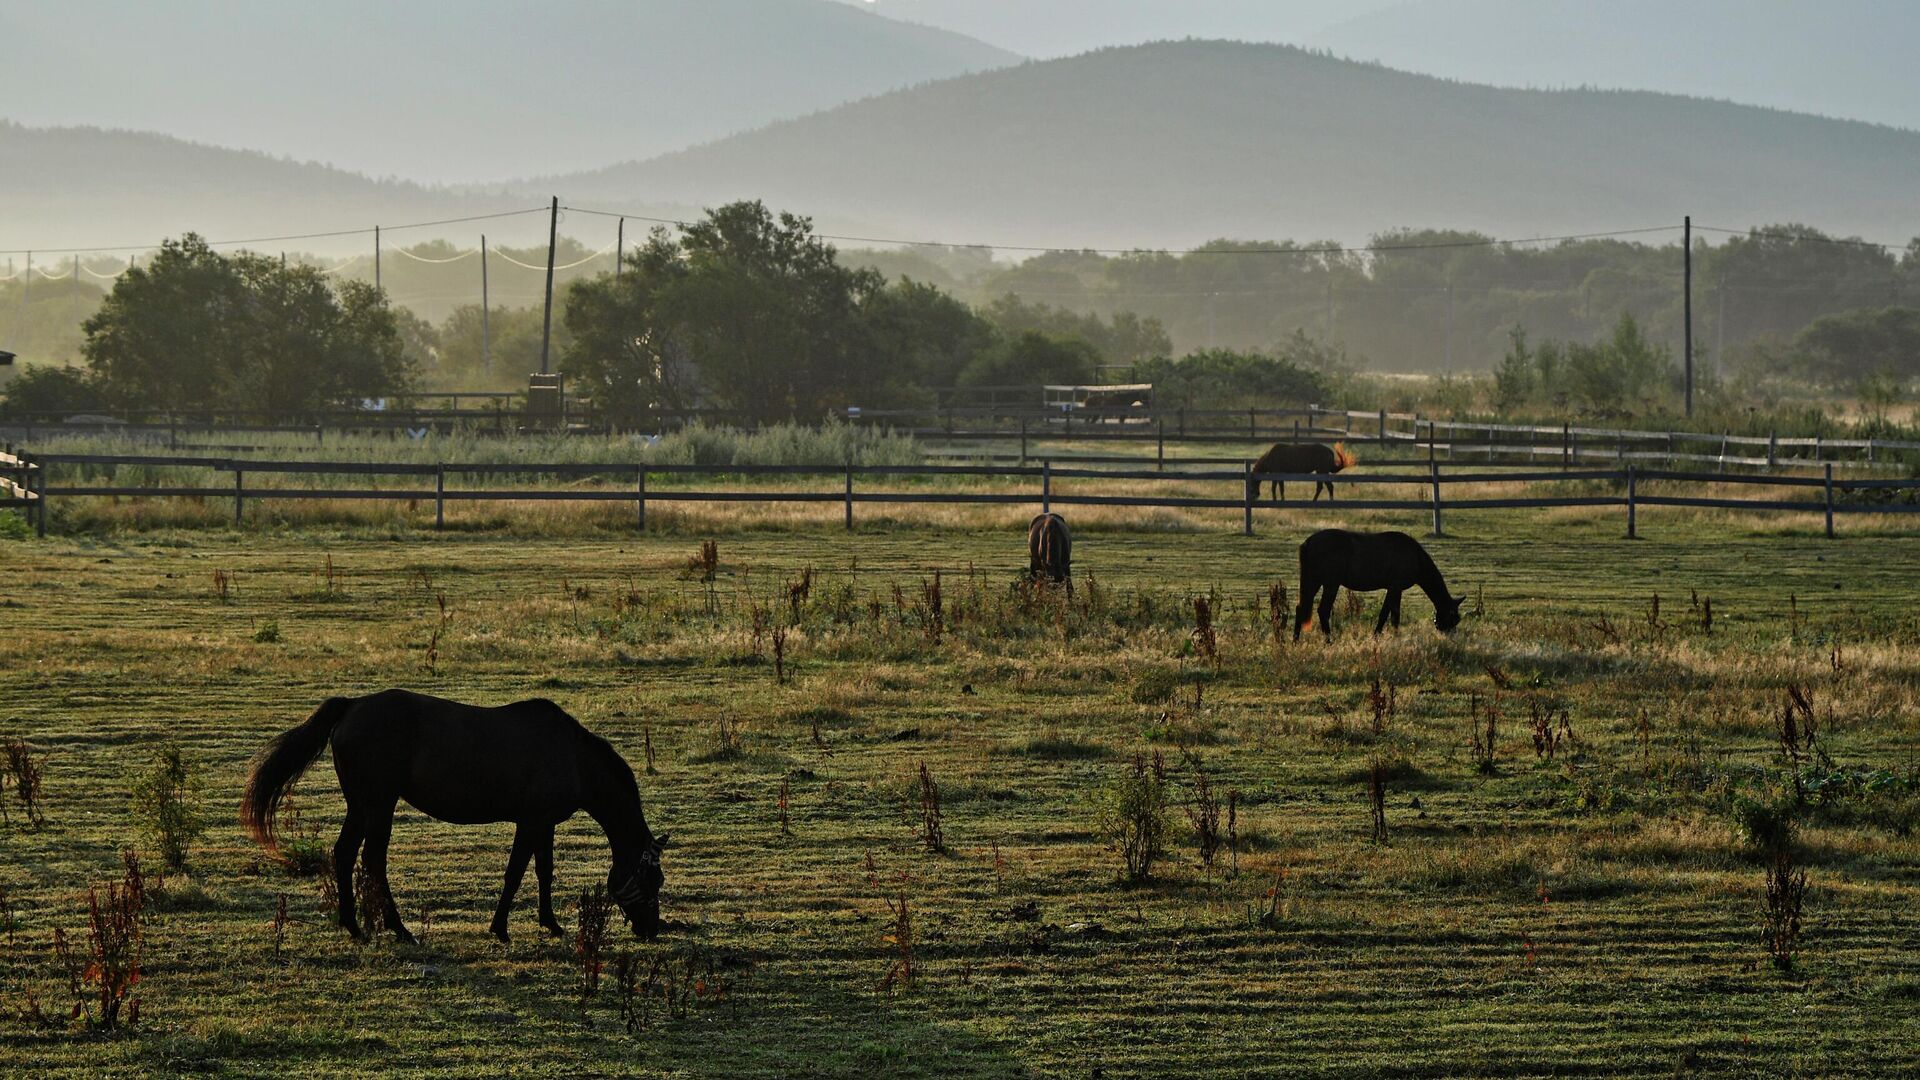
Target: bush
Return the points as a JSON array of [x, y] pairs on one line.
[[166, 805], [1135, 817], [41, 389]]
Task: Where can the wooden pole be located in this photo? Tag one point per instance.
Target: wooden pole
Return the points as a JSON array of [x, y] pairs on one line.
[[619, 247], [1160, 454], [546, 321], [1435, 466], [1687, 243], [1829, 500], [849, 494], [486, 315], [440, 496], [376, 256], [1632, 532], [641, 510], [1046, 486], [1023, 441], [1246, 496], [239, 495]]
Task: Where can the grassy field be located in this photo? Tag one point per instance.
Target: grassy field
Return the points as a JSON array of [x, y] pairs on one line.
[[1596, 913]]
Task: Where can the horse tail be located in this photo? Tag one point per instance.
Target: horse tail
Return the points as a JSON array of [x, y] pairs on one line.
[[279, 765], [1343, 458]]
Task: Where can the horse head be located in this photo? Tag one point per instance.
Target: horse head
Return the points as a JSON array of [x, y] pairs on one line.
[[1447, 616], [636, 888]]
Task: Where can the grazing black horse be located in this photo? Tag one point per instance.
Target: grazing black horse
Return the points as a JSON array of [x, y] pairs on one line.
[[1289, 458], [1368, 562], [1050, 550], [528, 763]]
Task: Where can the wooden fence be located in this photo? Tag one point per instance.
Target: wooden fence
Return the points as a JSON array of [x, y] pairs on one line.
[[20, 486], [630, 484]]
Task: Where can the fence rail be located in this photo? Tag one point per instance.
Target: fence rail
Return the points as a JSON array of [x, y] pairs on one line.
[[629, 483]]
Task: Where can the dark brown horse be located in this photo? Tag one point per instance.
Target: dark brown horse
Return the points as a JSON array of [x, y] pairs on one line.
[[528, 763], [1291, 458], [1050, 551], [1369, 562]]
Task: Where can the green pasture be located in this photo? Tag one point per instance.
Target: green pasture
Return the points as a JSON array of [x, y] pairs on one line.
[[1596, 913]]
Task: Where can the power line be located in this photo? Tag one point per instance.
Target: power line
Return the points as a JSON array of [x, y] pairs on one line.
[[1772, 234], [368, 231], [1368, 249]]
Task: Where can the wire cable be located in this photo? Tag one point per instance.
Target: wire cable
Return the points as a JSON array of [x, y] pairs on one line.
[[1367, 249], [368, 231]]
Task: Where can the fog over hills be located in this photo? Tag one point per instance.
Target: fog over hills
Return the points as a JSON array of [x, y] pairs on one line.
[[1175, 143], [1846, 58], [443, 91]]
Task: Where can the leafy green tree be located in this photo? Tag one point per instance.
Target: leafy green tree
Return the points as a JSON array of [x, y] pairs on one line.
[[1224, 378], [1031, 359], [1845, 348], [626, 349], [44, 389], [1513, 379], [1621, 372], [931, 336], [1124, 339], [198, 330]]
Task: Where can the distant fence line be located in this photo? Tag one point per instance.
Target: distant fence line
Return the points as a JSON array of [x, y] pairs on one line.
[[1453, 440], [38, 491]]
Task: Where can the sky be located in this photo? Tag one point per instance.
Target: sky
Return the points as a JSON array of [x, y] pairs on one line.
[[1052, 28]]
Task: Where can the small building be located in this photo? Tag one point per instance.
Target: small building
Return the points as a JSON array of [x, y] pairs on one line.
[[1113, 401]]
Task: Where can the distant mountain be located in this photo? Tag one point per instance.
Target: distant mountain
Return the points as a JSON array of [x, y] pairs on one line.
[[458, 90], [72, 187], [1846, 58], [1175, 143]]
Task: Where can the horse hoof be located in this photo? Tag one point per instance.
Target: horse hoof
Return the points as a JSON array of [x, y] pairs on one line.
[[554, 928]]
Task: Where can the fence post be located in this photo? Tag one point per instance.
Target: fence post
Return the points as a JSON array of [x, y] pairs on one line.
[[640, 511], [1490, 437], [440, 496], [849, 493], [1432, 438], [1253, 431], [1183, 421], [1725, 437], [1160, 455], [36, 482], [1869, 451], [1571, 442], [1296, 432], [239, 494], [1046, 486], [1023, 441], [1383, 427], [1632, 533], [1246, 497], [1816, 446], [1829, 500], [1435, 466], [1773, 449]]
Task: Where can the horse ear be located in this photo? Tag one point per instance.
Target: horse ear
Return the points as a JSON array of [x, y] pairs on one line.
[[660, 841]]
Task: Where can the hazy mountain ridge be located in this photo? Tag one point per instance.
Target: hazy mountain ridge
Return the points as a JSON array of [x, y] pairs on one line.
[[462, 93], [1174, 143]]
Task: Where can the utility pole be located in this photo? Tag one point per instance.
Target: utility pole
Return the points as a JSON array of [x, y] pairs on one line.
[[486, 317], [376, 256], [546, 323], [619, 247], [1687, 243]]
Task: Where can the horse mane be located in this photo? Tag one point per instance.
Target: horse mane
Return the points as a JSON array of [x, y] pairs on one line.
[[1343, 458]]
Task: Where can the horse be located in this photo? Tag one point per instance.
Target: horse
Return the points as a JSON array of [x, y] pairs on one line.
[[1311, 458], [1367, 562], [1050, 550], [529, 763]]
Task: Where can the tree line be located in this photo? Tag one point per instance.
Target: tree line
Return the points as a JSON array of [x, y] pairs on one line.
[[748, 311]]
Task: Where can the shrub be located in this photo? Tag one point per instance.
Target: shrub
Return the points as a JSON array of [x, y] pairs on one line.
[[166, 805], [590, 938], [23, 772], [1135, 817]]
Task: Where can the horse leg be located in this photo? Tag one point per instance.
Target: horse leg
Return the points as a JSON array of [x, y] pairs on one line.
[[379, 832], [1329, 487], [1303, 612], [1386, 608], [543, 872], [345, 851], [1396, 609], [1326, 610], [516, 868]]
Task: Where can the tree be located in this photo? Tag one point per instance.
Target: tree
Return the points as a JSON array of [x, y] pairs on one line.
[[1223, 378], [626, 350], [1844, 348], [43, 389], [1513, 379], [1033, 359], [198, 330]]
